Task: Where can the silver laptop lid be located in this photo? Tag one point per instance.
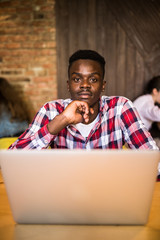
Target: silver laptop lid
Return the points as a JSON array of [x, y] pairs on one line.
[[80, 187]]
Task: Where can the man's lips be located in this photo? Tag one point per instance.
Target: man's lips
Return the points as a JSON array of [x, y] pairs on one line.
[[84, 94]]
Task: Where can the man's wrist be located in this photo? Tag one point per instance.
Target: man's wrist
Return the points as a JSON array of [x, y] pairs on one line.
[[57, 124]]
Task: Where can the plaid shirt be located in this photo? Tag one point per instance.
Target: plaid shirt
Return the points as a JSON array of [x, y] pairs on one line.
[[118, 123]]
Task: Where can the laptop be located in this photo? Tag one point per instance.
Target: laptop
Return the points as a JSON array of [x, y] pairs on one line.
[[80, 186]]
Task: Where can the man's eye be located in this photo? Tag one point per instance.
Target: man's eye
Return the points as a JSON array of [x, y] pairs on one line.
[[76, 79], [93, 80]]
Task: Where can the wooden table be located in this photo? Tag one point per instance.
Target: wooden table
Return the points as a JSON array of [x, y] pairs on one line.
[[9, 230]]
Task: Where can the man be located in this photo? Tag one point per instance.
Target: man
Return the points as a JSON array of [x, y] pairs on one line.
[[86, 121]]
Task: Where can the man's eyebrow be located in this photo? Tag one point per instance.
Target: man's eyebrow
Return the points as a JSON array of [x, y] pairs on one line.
[[96, 73], [75, 73]]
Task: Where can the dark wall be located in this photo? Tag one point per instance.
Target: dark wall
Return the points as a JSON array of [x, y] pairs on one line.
[[126, 33]]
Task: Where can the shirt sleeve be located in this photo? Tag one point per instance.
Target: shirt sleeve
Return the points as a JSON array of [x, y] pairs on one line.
[[135, 133], [37, 135]]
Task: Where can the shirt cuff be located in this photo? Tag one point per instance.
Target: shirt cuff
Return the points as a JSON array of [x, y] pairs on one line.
[[44, 137]]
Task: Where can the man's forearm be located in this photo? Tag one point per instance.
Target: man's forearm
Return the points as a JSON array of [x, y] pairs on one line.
[[57, 124]]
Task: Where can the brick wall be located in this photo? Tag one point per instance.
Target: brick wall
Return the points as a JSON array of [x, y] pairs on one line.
[[28, 50]]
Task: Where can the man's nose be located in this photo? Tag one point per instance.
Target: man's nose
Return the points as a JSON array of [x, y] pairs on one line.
[[85, 83]]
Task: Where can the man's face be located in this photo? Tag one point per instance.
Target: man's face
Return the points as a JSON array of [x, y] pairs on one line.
[[86, 81]]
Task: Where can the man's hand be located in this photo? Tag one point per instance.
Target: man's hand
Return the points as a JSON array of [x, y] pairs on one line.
[[78, 111], [75, 112]]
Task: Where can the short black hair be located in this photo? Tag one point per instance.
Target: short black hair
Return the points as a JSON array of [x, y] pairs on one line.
[[153, 83], [87, 54]]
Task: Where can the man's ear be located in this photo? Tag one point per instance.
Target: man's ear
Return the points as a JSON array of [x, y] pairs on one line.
[[103, 86]]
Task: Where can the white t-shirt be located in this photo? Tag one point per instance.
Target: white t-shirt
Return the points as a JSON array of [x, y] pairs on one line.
[[85, 129], [147, 110]]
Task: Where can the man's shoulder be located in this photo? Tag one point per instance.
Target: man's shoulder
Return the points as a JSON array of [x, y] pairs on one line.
[[114, 100], [57, 104]]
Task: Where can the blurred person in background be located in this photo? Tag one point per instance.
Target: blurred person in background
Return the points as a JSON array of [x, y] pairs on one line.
[[148, 106]]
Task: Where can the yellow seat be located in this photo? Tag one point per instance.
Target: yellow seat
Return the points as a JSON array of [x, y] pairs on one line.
[[6, 142]]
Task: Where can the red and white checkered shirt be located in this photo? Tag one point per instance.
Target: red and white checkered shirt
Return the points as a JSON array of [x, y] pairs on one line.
[[118, 123]]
